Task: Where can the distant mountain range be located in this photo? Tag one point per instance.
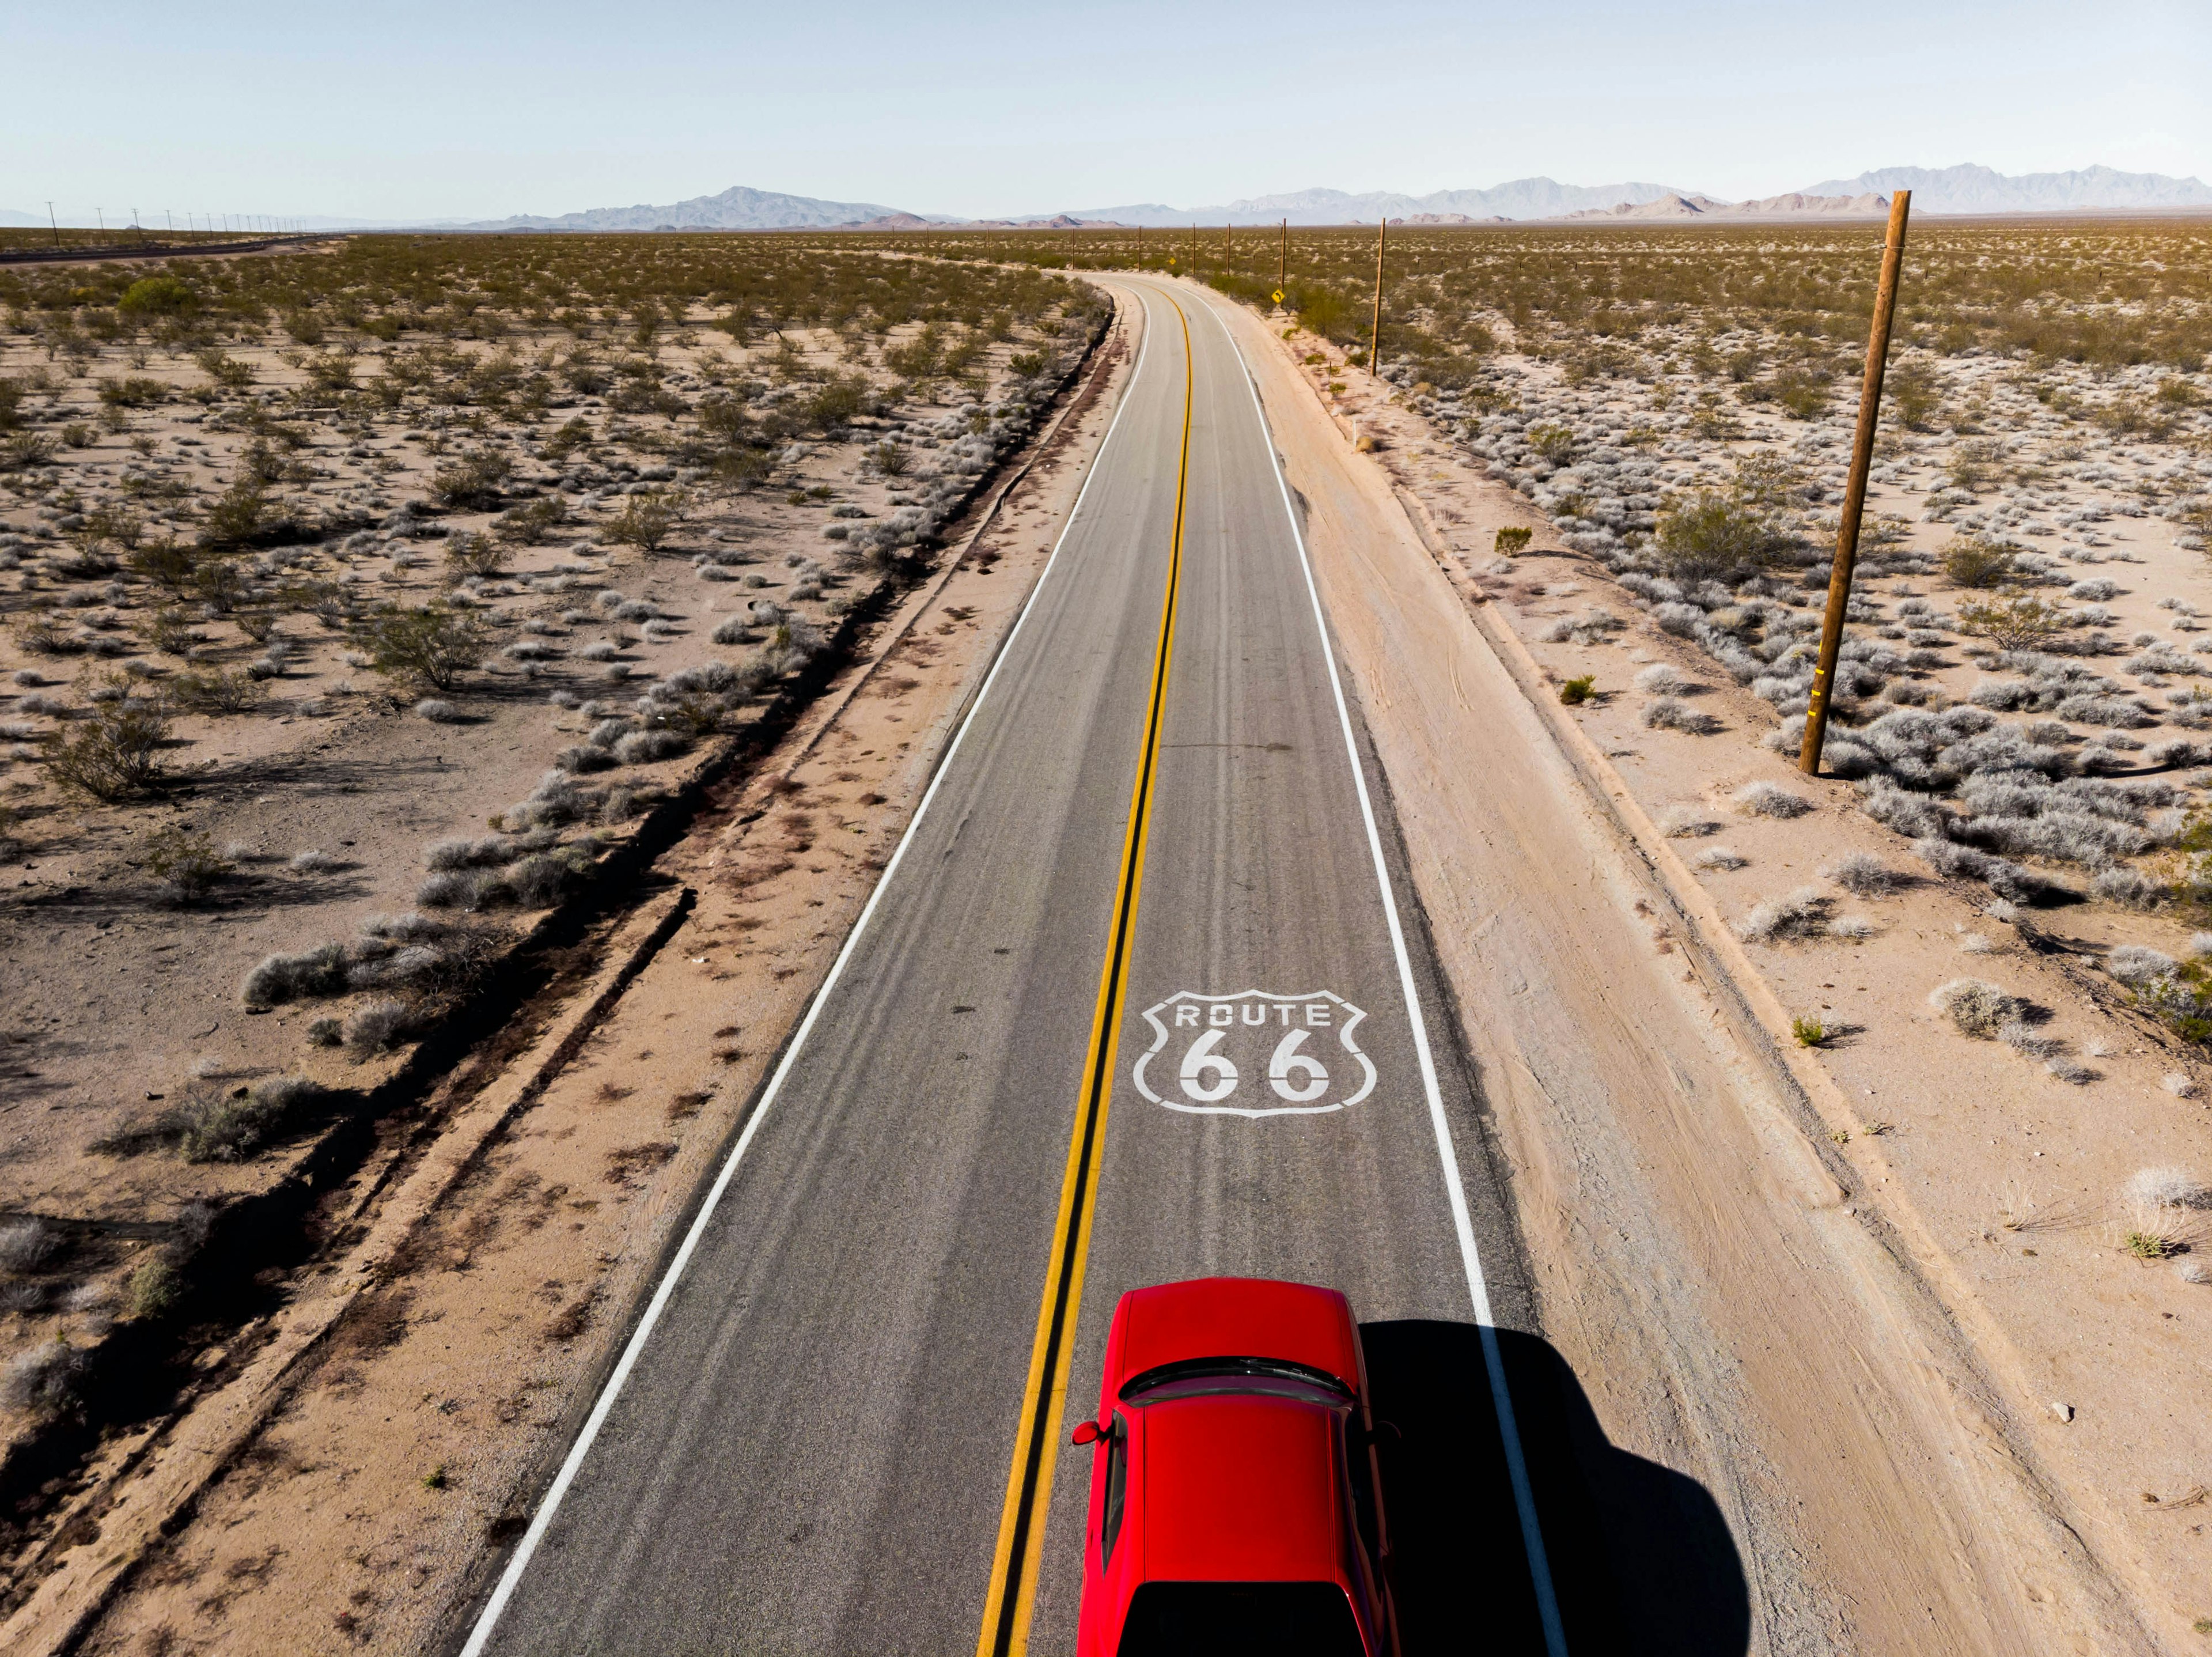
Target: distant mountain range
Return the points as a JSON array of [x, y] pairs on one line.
[[1521, 198], [1796, 205], [1971, 189], [1964, 189], [738, 208]]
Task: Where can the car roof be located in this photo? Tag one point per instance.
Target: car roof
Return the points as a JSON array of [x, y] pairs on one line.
[[1239, 1487], [1232, 1317]]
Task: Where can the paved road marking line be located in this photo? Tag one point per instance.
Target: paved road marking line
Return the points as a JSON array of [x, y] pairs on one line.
[[1517, 1466], [1014, 1565], [480, 1636]]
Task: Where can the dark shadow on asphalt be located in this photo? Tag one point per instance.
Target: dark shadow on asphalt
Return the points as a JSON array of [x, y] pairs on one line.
[[1640, 1555]]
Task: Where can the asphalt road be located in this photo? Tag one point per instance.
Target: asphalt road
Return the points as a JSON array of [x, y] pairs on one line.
[[810, 1446]]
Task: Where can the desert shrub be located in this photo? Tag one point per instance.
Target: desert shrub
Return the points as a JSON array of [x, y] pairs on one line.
[[439, 712], [325, 1031], [471, 482], [489, 851], [244, 512], [1864, 876], [530, 522], [648, 520], [469, 555], [2180, 997], [154, 1290], [1914, 392], [133, 392], [184, 862], [2167, 1187], [1576, 692], [643, 748], [538, 882], [224, 370], [836, 404], [1975, 561], [279, 978], [27, 1244], [156, 295], [217, 1127], [447, 889], [432, 646], [378, 1025], [1719, 858], [1770, 799], [2130, 888], [1513, 539], [1802, 396], [115, 754], [1666, 713], [214, 691], [44, 1380], [1555, 444], [2014, 619], [584, 758], [1712, 534], [1801, 914], [1976, 1008], [1663, 678]]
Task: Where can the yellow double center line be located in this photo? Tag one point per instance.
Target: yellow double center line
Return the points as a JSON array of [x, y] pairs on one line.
[[1037, 1443]]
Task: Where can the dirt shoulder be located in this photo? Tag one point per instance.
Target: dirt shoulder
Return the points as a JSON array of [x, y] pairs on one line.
[[1872, 1295], [394, 1423]]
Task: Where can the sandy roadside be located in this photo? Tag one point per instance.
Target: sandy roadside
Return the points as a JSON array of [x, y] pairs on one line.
[[1750, 1292], [499, 1281]]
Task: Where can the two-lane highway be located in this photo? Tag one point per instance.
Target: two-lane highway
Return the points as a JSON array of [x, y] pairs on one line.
[[1132, 1003]]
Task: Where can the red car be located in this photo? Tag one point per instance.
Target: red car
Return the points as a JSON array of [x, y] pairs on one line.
[[1234, 1505]]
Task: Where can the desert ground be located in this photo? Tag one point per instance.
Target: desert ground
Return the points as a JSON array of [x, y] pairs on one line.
[[337, 664], [406, 640]]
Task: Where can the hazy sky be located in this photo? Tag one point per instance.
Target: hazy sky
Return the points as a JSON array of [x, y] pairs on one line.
[[486, 107]]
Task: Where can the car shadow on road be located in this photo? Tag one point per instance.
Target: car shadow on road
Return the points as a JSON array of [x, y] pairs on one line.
[[1641, 1557]]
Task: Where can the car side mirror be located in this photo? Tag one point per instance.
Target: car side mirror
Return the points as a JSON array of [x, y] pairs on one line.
[[1086, 1432]]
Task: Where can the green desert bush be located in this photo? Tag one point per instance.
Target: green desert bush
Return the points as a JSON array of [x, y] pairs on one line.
[[114, 754], [648, 520], [432, 646], [1975, 561], [1712, 532], [2014, 619], [157, 296], [212, 1125], [184, 861]]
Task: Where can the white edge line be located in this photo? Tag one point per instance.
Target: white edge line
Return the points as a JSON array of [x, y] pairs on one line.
[[511, 1578], [1516, 1467]]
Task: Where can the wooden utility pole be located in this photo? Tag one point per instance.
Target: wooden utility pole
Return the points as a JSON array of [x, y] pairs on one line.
[[53, 224], [1140, 246], [1375, 338], [1847, 533], [1283, 265]]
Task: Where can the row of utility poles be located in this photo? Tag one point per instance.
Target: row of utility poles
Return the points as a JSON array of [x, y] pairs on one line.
[[1840, 572], [255, 225]]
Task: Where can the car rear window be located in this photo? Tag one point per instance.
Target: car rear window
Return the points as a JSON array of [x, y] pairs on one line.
[[1240, 1619]]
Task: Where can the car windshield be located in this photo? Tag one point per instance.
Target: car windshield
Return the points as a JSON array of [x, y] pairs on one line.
[[1194, 1377]]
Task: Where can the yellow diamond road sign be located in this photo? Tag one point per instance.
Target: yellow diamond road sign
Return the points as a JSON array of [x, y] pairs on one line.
[[1278, 296]]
